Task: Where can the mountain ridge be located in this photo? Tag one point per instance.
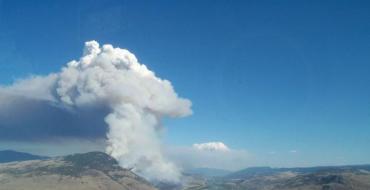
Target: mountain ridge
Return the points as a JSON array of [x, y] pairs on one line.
[[350, 177], [11, 156], [87, 171], [251, 171]]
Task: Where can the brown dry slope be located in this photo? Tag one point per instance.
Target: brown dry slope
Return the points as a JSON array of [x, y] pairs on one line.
[[90, 171]]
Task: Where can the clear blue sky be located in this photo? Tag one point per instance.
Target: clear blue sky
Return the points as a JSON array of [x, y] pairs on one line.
[[265, 76]]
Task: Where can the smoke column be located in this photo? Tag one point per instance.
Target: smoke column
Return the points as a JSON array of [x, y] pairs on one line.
[[136, 99]]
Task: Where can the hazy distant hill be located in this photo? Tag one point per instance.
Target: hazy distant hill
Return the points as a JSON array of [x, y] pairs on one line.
[[208, 172], [11, 156], [250, 172], [258, 171], [266, 178], [90, 171]]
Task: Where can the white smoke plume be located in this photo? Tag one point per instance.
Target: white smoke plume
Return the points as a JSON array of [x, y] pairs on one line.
[[136, 100]]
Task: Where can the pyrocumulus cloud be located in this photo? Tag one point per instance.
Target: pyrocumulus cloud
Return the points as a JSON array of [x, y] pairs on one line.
[[130, 98]]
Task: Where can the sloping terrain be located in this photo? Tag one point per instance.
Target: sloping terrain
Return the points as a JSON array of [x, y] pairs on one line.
[[90, 171], [99, 171]]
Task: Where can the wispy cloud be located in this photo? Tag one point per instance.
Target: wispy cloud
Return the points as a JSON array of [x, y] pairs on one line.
[[211, 146], [210, 155]]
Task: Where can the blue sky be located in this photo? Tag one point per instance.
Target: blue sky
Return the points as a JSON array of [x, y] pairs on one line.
[[265, 76]]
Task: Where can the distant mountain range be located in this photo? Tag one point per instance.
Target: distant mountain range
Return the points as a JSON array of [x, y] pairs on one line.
[[99, 171], [11, 156], [257, 171], [265, 178]]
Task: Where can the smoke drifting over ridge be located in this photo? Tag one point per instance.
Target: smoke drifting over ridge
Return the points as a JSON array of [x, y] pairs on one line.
[[111, 85]]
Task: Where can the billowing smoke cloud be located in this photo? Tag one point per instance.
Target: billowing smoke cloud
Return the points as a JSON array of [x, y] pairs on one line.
[[106, 84]]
